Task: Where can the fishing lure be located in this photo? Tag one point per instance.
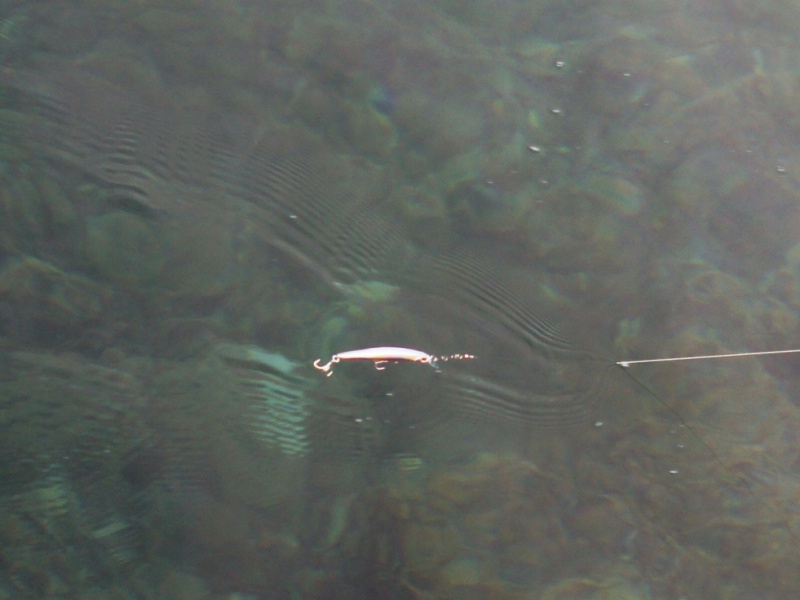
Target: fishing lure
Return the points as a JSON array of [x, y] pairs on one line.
[[381, 355]]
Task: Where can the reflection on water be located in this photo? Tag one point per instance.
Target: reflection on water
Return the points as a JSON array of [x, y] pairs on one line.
[[201, 199]]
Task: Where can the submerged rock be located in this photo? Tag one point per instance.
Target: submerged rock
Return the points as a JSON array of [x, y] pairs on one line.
[[124, 248], [37, 298]]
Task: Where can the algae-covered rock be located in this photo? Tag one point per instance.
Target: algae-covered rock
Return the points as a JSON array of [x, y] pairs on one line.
[[120, 62], [124, 248], [183, 586], [619, 194], [23, 206], [462, 572], [419, 203], [371, 132], [37, 298], [441, 129], [485, 205], [200, 258], [162, 22], [61, 213], [427, 547]]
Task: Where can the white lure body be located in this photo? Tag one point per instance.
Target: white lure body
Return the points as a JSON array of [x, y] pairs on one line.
[[379, 355]]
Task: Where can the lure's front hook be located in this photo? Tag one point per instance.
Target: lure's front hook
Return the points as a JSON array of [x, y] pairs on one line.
[[328, 367]]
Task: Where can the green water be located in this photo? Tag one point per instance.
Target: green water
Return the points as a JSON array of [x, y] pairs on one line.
[[200, 199]]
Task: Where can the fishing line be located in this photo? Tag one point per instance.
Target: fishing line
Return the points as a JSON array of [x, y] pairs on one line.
[[746, 484], [627, 363]]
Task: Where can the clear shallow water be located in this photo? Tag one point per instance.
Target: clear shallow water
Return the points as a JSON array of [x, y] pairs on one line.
[[201, 200]]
